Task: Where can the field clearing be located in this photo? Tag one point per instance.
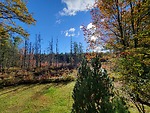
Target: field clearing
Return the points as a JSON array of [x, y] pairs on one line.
[[41, 98], [37, 98]]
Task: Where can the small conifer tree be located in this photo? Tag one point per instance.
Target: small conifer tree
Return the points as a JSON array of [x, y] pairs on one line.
[[120, 105], [93, 90]]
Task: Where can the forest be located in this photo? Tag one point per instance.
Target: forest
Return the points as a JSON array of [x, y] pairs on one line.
[[33, 80]]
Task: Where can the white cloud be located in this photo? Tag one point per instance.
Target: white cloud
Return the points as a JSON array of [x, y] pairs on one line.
[[74, 6], [92, 29], [78, 34], [66, 34], [102, 20], [58, 21], [91, 26], [81, 27], [98, 49], [70, 32], [93, 38]]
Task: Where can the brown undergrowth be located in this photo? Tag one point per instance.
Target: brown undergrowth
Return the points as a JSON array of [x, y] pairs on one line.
[[16, 76]]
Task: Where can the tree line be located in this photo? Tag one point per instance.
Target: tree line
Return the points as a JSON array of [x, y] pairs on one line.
[[31, 54]]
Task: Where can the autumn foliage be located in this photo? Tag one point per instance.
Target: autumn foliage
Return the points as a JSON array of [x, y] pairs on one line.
[[123, 27]]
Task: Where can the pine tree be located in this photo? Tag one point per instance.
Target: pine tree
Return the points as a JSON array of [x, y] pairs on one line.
[[71, 51], [25, 54], [93, 89], [38, 50]]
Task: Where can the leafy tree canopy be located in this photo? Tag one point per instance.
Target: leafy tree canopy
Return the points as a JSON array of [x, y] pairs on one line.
[[124, 27], [10, 12]]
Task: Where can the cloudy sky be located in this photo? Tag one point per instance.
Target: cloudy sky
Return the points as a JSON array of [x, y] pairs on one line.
[[60, 19]]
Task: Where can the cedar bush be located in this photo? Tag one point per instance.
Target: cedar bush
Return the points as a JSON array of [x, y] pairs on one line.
[[93, 90]]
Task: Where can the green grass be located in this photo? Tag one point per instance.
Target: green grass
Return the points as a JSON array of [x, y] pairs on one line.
[[40, 98], [37, 98]]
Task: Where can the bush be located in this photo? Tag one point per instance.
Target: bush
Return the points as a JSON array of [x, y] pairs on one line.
[[120, 105], [93, 90]]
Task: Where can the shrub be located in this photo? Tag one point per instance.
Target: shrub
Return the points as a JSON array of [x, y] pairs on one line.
[[93, 90], [120, 105]]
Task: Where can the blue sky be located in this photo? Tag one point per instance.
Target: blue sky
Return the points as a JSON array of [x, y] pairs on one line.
[[59, 19]]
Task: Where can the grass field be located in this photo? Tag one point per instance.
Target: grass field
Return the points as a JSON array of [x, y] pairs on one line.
[[40, 98], [37, 98]]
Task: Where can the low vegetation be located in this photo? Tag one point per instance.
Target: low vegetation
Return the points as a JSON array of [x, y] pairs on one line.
[[17, 76]]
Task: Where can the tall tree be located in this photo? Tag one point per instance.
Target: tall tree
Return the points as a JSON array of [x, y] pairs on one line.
[[80, 54], [10, 10], [9, 52], [57, 52], [25, 54], [51, 53], [71, 50], [75, 53], [29, 55], [124, 27], [16, 41], [38, 50]]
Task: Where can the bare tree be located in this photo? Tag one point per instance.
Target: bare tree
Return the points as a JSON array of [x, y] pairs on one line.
[[51, 52], [57, 52], [38, 50]]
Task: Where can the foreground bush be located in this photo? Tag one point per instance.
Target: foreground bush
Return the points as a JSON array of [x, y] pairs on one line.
[[93, 91]]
